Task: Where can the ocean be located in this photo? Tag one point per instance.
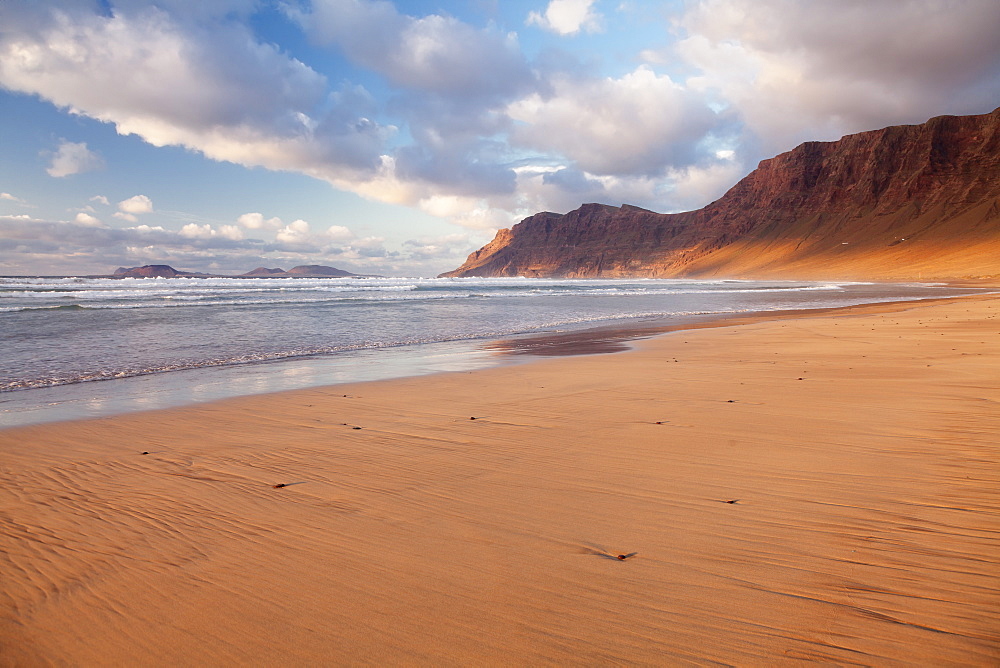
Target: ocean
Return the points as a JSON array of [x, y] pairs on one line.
[[88, 347]]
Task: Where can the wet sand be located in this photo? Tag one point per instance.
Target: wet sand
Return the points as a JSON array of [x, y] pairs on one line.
[[823, 487]]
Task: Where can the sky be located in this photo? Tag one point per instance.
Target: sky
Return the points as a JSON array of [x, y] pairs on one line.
[[394, 138]]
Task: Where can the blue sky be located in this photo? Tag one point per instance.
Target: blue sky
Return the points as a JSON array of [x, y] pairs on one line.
[[395, 138]]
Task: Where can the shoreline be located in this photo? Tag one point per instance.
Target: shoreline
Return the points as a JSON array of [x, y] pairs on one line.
[[821, 487], [187, 387]]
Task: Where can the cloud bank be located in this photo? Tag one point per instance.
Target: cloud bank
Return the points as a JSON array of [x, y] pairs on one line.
[[211, 247]]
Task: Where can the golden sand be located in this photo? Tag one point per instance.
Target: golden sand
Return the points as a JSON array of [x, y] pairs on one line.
[[860, 451]]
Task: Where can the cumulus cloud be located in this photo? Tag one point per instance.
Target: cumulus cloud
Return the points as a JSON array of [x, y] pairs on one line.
[[209, 86], [295, 233], [432, 53], [256, 221], [338, 233], [797, 71], [73, 158], [567, 17], [206, 231], [637, 124], [484, 217], [100, 199], [196, 231], [452, 82], [136, 204], [86, 219]]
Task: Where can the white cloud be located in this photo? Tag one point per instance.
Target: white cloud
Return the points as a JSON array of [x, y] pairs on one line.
[[797, 71], [206, 231], [339, 233], [100, 199], [444, 206], [567, 17], [485, 217], [433, 53], [640, 123], [196, 231], [207, 86], [125, 216], [256, 221], [73, 158], [453, 81], [296, 232], [231, 232], [86, 219], [136, 204]]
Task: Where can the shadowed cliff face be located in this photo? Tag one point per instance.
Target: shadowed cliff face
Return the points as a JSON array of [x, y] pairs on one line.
[[913, 201]]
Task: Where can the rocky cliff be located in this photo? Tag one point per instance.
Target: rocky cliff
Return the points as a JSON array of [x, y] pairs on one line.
[[914, 201]]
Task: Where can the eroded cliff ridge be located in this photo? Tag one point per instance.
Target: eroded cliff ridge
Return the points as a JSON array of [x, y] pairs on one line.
[[911, 201]]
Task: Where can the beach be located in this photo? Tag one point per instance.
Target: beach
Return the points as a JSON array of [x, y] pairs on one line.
[[822, 486]]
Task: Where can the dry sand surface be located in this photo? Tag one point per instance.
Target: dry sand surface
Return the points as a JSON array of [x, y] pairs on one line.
[[859, 449]]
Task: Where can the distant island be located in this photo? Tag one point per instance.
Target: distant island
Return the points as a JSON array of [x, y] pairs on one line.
[[302, 271], [904, 202]]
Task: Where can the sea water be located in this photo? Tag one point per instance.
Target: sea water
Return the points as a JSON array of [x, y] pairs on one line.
[[164, 342]]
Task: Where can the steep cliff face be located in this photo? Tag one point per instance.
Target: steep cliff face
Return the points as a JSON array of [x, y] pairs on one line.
[[901, 202]]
